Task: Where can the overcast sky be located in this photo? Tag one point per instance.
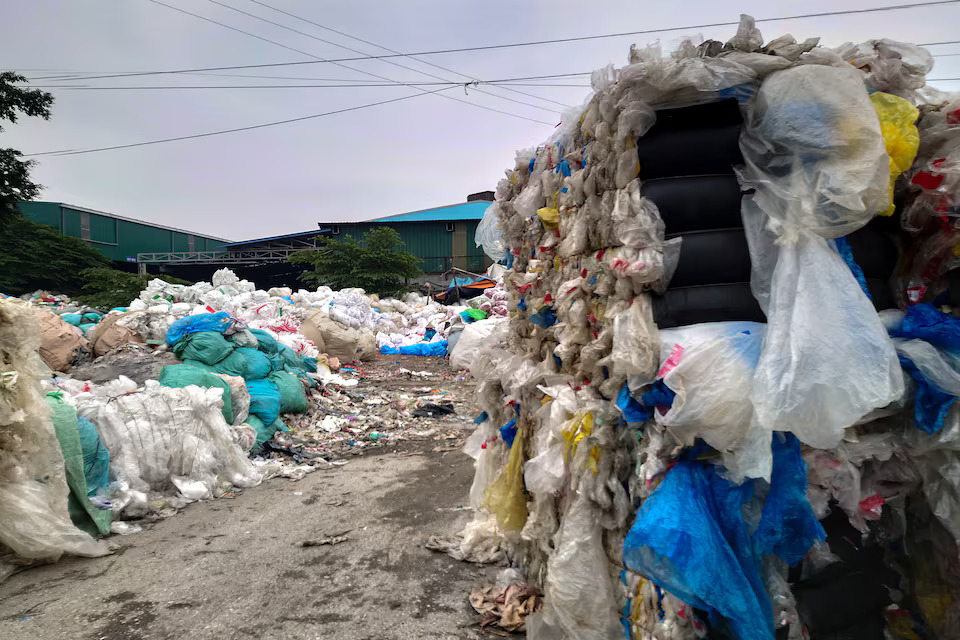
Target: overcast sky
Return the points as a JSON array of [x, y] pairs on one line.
[[423, 152]]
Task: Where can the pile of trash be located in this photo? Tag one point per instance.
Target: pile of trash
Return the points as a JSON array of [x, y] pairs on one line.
[[721, 403], [195, 392]]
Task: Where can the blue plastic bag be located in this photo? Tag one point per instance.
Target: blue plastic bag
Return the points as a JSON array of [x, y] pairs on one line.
[[219, 321], [788, 526], [926, 322], [508, 432], [931, 403], [264, 400], [438, 348], [689, 538], [72, 318]]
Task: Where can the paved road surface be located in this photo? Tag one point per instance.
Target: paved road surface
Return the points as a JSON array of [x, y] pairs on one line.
[[234, 568]]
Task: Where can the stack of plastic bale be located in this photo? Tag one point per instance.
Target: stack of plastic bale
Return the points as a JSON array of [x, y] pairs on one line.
[[259, 377], [169, 443], [749, 467], [35, 524]]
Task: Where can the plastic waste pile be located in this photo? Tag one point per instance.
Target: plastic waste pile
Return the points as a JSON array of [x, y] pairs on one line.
[[706, 412]]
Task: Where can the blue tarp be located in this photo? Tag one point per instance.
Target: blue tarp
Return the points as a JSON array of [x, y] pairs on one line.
[[219, 322], [438, 348], [508, 432]]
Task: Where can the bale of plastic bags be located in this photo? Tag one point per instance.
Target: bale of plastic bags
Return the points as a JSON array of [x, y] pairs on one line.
[[208, 347], [182, 375], [34, 519]]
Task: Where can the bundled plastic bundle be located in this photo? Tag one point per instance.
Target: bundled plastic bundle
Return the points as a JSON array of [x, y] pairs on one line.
[[34, 522], [696, 261], [164, 439]]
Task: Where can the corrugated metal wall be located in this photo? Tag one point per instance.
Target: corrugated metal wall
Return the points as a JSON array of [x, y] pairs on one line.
[[117, 239], [438, 247]]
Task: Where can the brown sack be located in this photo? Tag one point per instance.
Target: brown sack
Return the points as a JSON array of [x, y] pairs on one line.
[[108, 335], [338, 341], [366, 346], [61, 346], [312, 332]]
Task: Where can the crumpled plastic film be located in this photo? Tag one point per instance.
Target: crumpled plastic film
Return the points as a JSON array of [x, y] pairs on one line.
[[820, 326], [34, 520], [814, 151]]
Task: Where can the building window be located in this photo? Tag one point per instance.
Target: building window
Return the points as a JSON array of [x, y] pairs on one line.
[[450, 226], [335, 230], [191, 243], [84, 225]]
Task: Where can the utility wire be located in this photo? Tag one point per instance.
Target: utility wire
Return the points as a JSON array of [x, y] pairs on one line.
[[391, 62], [694, 27], [379, 46], [318, 58], [296, 86], [73, 152]]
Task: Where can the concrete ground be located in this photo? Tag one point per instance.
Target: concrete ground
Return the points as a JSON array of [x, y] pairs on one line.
[[235, 568]]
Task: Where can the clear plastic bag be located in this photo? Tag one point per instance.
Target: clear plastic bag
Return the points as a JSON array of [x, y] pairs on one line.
[[814, 151], [826, 359], [635, 350], [488, 233], [712, 379], [580, 599]]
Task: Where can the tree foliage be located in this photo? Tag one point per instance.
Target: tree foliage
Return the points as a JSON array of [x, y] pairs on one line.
[[15, 183], [35, 256], [106, 288], [379, 264]]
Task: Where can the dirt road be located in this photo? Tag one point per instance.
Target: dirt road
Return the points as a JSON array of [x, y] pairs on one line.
[[238, 568]]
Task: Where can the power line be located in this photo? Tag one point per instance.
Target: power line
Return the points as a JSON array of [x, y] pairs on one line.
[[537, 42], [73, 152], [448, 85], [379, 46], [318, 58], [391, 62]]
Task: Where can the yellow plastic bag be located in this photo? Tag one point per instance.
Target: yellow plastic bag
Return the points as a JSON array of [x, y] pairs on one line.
[[898, 122], [505, 497], [549, 216]]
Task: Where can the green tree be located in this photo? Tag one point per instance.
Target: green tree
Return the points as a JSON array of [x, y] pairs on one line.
[[106, 288], [35, 256], [15, 183], [379, 264]]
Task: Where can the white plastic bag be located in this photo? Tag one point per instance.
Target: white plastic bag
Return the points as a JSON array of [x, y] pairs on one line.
[[488, 235], [476, 338], [635, 349], [579, 595]]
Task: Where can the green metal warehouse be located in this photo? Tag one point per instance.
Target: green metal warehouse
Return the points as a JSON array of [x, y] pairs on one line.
[[118, 238]]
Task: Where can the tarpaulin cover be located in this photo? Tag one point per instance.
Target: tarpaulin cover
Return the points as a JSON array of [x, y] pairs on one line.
[[438, 348], [219, 322], [233, 365], [264, 400], [178, 376], [96, 458]]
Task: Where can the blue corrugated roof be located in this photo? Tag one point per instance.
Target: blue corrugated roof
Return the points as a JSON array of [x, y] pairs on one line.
[[462, 211], [316, 232]]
